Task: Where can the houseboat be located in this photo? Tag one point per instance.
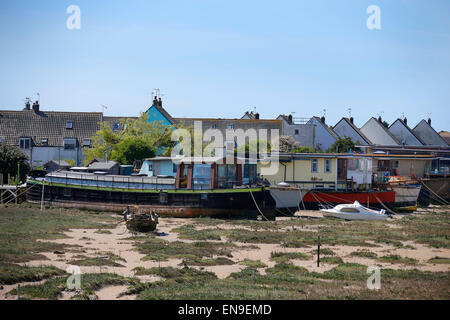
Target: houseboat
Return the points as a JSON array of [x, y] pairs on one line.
[[332, 179], [200, 187]]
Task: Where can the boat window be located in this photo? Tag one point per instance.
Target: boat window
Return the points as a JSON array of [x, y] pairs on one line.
[[314, 165], [327, 165], [201, 176], [349, 210], [226, 175]]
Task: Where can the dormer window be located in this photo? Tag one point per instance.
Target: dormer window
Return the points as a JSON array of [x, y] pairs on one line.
[[69, 125], [70, 143], [86, 142], [25, 143], [44, 141]]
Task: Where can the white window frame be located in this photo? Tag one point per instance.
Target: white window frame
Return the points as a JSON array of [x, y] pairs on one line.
[[23, 143]]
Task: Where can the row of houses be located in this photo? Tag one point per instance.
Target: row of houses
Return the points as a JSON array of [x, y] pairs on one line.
[[52, 135]]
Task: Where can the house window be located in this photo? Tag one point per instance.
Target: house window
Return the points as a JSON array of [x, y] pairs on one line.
[[231, 126], [69, 125], [86, 142], [395, 164], [1, 139], [327, 165], [174, 168], [24, 143], [314, 165], [45, 142], [116, 126], [213, 126], [70, 143], [296, 131]]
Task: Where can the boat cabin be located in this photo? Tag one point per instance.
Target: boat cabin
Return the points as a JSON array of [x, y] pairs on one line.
[[213, 173]]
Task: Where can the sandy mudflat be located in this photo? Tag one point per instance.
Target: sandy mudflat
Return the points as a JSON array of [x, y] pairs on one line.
[[120, 243]]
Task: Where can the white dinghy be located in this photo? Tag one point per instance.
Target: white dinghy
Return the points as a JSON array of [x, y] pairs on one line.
[[354, 211]]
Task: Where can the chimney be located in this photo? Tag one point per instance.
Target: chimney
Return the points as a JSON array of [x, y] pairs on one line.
[[405, 121], [160, 102], [323, 119], [429, 121], [36, 106], [379, 119], [290, 118], [257, 116], [28, 105], [351, 120]]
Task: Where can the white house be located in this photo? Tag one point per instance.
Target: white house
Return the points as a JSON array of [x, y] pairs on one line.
[[346, 128], [324, 135]]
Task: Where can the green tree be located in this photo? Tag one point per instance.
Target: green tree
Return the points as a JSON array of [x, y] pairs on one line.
[[303, 150], [13, 160], [254, 147], [154, 133], [132, 148], [343, 145]]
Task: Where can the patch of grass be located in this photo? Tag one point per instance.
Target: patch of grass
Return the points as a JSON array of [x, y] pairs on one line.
[[345, 271], [331, 260], [12, 273], [95, 261], [188, 231], [323, 252], [393, 258], [103, 231], [253, 263], [364, 254], [21, 226], [287, 256], [91, 282], [220, 261], [439, 260], [160, 250], [180, 274]]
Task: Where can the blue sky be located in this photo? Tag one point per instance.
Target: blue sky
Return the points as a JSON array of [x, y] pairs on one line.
[[219, 58]]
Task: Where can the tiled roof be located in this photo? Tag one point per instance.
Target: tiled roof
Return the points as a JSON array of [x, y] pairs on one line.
[[51, 125], [102, 165]]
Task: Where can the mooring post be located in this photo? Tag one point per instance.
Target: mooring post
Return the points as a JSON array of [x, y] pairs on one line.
[[42, 196], [18, 292], [318, 251]]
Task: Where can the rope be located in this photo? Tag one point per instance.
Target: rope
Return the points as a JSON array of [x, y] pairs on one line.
[[276, 198], [19, 194], [383, 205], [251, 193], [442, 199]]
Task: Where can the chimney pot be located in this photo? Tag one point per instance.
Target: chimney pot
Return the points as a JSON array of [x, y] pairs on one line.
[[405, 121], [36, 106], [290, 118], [379, 119], [323, 120], [257, 116], [429, 121], [351, 120]]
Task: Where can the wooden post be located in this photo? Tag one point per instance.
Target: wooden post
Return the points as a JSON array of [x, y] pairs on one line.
[[318, 251], [18, 292], [42, 196]]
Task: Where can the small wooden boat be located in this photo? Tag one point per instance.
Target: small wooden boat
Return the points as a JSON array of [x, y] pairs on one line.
[[141, 220], [354, 211]]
